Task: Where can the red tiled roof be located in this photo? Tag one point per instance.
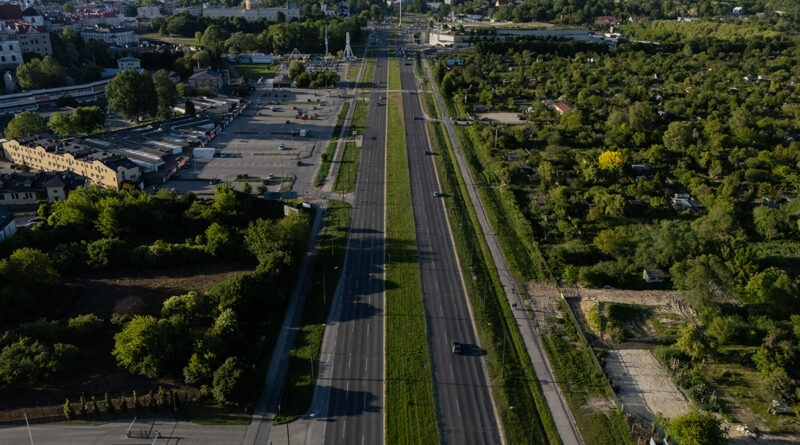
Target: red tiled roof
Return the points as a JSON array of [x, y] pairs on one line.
[[10, 12]]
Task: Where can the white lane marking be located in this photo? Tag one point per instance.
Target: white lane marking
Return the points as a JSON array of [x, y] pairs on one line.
[[347, 392], [441, 310], [365, 401], [349, 359], [458, 407], [452, 375]]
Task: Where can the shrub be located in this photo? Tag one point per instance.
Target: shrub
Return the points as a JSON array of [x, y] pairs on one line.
[[231, 383]]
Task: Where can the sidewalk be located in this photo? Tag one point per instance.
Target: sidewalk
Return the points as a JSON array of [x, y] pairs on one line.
[[562, 416], [259, 429]]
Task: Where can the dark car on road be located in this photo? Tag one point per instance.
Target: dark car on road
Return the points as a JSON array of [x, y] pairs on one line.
[[456, 347]]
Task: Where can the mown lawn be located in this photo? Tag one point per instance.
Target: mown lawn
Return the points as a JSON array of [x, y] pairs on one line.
[[255, 72], [348, 170], [410, 405]]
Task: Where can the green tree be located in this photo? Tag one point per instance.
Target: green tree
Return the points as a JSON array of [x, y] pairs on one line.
[[695, 428], [219, 241], [109, 405], [678, 136], [189, 108], [40, 73], [84, 410], [26, 123], [60, 124], [247, 188], [132, 94], [150, 347], [87, 119], [123, 403], [69, 412], [137, 405], [95, 408], [774, 288], [692, 342], [231, 383], [214, 39], [296, 68], [163, 402], [166, 92]]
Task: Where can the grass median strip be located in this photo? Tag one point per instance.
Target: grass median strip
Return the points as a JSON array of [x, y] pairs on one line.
[[410, 405], [304, 358], [369, 71], [515, 384], [348, 169], [394, 74], [327, 157]]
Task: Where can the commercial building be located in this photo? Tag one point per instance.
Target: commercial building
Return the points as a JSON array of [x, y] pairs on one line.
[[43, 99], [112, 36], [149, 12], [29, 188], [97, 166]]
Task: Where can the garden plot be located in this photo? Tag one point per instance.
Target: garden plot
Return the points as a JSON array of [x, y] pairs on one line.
[[645, 387]]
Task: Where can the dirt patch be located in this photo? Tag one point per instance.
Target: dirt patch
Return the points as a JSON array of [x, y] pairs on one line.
[[144, 291], [645, 387], [598, 403], [505, 118], [665, 300]]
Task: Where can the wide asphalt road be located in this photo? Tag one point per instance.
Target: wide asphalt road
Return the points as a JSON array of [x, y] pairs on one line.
[[355, 413], [463, 396]]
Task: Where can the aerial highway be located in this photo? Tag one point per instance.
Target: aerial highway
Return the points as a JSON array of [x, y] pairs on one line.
[[353, 348], [464, 401]]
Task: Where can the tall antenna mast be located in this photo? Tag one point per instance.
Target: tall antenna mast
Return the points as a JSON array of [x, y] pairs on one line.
[[348, 52]]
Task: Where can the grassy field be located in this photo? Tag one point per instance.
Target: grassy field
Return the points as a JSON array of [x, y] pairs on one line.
[[515, 385], [299, 384], [327, 157], [348, 169], [255, 72], [156, 37], [410, 405]]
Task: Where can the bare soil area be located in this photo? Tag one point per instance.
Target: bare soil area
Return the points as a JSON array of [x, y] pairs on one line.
[[645, 387], [664, 300], [143, 292]]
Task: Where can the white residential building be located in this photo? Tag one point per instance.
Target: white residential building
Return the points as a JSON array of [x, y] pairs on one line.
[[10, 50], [129, 63]]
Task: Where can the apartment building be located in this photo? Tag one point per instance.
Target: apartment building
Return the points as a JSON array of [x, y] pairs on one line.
[[112, 36], [32, 39], [10, 50], [129, 63], [97, 166]]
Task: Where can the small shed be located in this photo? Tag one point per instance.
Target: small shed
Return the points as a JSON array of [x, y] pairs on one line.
[[653, 275]]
